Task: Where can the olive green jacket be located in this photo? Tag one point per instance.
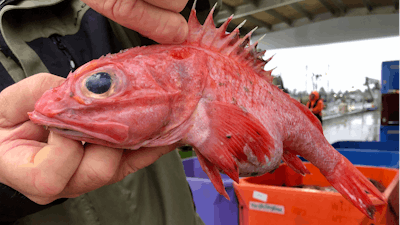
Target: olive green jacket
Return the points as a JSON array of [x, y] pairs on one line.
[[157, 194]]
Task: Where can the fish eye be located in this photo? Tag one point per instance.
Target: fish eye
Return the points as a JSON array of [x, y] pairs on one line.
[[99, 83]]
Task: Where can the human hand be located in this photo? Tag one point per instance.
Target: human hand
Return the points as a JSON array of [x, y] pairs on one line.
[[45, 166], [156, 19]]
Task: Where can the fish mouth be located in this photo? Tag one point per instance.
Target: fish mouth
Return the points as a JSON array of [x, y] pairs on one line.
[[79, 132], [79, 136], [69, 132]]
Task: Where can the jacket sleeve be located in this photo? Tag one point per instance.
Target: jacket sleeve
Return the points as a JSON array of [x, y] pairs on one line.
[[14, 205], [318, 108]]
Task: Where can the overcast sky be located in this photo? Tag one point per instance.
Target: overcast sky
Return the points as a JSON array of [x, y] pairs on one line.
[[349, 63]]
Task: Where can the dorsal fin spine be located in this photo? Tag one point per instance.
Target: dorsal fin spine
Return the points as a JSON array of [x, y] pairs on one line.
[[248, 51], [270, 58], [219, 45], [236, 39], [209, 37], [195, 29]]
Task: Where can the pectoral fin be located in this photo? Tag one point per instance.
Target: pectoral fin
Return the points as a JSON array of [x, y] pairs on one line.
[[225, 135], [212, 173]]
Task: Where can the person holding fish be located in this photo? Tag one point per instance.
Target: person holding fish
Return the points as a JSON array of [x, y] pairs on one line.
[[45, 177]]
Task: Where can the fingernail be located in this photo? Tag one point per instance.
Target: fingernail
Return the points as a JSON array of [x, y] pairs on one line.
[[51, 138], [54, 138]]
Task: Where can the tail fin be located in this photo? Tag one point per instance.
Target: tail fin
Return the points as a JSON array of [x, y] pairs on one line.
[[352, 184]]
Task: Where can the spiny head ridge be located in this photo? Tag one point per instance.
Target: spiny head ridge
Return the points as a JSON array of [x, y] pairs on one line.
[[217, 39]]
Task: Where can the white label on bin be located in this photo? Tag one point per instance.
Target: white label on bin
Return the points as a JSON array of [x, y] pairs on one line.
[[260, 196], [266, 207]]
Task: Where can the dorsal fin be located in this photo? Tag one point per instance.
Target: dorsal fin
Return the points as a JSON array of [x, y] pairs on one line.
[[314, 120], [217, 39]]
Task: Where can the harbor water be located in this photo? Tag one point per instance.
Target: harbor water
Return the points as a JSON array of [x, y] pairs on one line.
[[360, 126]]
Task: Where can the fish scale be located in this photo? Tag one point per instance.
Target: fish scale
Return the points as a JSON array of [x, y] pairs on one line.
[[210, 92]]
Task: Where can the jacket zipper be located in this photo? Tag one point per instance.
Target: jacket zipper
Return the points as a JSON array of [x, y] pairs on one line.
[[57, 41]]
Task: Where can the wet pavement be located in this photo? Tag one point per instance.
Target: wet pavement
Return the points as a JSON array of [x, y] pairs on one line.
[[362, 126]]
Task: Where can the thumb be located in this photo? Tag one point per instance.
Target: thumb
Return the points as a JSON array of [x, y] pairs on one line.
[[162, 25], [19, 98]]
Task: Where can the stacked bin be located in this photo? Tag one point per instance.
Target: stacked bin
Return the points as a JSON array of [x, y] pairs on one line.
[[273, 199], [382, 154], [212, 207]]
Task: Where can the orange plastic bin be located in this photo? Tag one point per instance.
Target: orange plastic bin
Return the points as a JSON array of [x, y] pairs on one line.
[[272, 199]]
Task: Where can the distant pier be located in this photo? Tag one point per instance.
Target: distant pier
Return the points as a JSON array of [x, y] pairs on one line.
[[356, 125]]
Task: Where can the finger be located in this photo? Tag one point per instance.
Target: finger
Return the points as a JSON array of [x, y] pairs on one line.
[[45, 175], [97, 167], [57, 162], [175, 6], [27, 131], [133, 160], [20, 98], [161, 25]]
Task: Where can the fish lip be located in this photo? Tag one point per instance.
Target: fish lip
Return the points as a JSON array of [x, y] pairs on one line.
[[70, 133], [58, 126]]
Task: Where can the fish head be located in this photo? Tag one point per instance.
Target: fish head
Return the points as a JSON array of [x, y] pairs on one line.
[[110, 101]]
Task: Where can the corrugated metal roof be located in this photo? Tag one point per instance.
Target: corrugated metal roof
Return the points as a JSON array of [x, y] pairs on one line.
[[275, 15]]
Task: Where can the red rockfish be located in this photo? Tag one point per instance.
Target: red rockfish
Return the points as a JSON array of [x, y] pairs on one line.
[[210, 92]]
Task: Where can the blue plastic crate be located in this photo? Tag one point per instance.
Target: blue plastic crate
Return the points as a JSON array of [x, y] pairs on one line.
[[382, 154], [212, 207], [371, 157], [390, 76], [390, 134], [367, 145]]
